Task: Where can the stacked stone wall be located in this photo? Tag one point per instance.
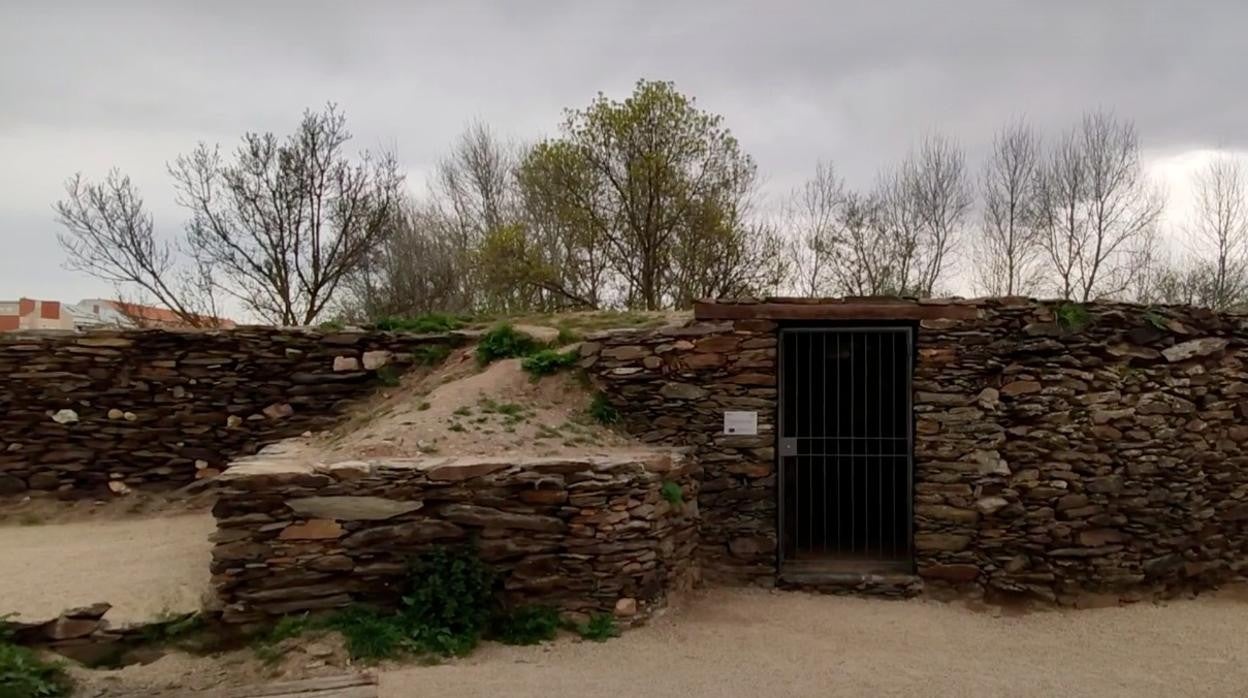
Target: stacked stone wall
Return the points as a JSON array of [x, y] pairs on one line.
[[159, 408], [1061, 451], [582, 534]]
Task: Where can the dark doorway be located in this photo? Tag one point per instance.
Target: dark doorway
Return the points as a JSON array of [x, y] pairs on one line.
[[845, 450]]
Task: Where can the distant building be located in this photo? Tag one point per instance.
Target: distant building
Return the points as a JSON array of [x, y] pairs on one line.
[[30, 314], [97, 312]]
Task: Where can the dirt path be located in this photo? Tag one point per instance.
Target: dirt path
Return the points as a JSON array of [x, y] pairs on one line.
[[141, 566], [758, 643]]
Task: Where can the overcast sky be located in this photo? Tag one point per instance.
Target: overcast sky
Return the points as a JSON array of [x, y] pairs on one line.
[[87, 86]]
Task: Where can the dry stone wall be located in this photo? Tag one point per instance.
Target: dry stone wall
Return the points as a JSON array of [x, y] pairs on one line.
[[1068, 453], [157, 407], [583, 534], [672, 386]]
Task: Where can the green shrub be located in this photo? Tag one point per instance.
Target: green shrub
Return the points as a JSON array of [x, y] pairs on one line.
[[504, 342], [548, 361], [672, 493], [371, 634], [1072, 317], [332, 325], [567, 336], [1156, 319], [602, 411], [389, 376], [24, 675], [600, 628], [526, 625], [431, 354], [421, 324], [170, 626], [450, 600]]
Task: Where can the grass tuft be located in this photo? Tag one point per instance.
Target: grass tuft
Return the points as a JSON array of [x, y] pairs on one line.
[[548, 361], [504, 342], [603, 411]]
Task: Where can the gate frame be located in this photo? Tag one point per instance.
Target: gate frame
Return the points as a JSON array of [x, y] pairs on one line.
[[910, 330]]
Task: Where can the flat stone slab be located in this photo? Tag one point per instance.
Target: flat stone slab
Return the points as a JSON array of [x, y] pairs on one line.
[[450, 468], [350, 508]]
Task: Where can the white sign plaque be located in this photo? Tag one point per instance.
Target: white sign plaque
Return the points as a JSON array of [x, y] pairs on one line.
[[745, 423]]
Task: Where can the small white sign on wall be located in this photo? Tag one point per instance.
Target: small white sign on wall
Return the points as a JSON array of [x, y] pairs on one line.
[[742, 423]]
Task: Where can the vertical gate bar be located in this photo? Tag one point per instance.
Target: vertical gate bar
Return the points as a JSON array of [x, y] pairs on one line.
[[810, 457], [892, 459], [909, 461], [879, 427], [823, 430], [797, 458], [836, 431], [781, 389], [853, 491]]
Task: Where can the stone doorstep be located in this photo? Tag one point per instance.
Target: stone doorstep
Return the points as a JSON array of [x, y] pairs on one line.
[[887, 584]]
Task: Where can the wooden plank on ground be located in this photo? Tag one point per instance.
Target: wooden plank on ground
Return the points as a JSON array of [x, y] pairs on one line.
[[347, 686]]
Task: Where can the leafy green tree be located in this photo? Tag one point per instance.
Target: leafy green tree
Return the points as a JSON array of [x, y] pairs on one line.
[[651, 178]]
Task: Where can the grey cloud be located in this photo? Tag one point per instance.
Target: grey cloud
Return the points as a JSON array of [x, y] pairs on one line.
[[83, 85]]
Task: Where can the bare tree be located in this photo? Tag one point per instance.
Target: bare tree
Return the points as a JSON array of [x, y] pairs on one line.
[[812, 215], [1096, 208], [1006, 251], [416, 269], [917, 215], [943, 195], [1219, 231], [287, 221], [110, 236], [279, 228], [861, 262]]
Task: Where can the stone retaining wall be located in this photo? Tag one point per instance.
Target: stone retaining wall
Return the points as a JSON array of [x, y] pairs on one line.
[[156, 407], [1104, 453], [583, 534]]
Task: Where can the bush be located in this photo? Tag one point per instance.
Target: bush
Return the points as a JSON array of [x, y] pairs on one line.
[[526, 625], [504, 342], [1072, 317], [567, 336], [672, 493], [450, 600], [548, 361], [370, 634], [24, 675], [602, 411], [600, 628], [389, 376], [431, 354], [421, 324]]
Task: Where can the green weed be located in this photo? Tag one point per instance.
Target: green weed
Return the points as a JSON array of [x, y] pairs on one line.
[[600, 628], [672, 493], [431, 354], [526, 625], [421, 324], [450, 600], [389, 376], [603, 411], [504, 342], [1072, 317], [24, 675], [548, 361]]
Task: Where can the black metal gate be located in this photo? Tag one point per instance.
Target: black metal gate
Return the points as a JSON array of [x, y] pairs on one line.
[[845, 450]]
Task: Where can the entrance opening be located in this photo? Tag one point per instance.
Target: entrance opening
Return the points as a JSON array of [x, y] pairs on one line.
[[845, 450]]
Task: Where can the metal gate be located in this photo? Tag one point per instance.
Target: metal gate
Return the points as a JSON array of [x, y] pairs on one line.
[[845, 450]]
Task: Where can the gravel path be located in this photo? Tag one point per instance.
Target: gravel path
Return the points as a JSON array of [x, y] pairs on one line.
[[759, 643], [140, 566]]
